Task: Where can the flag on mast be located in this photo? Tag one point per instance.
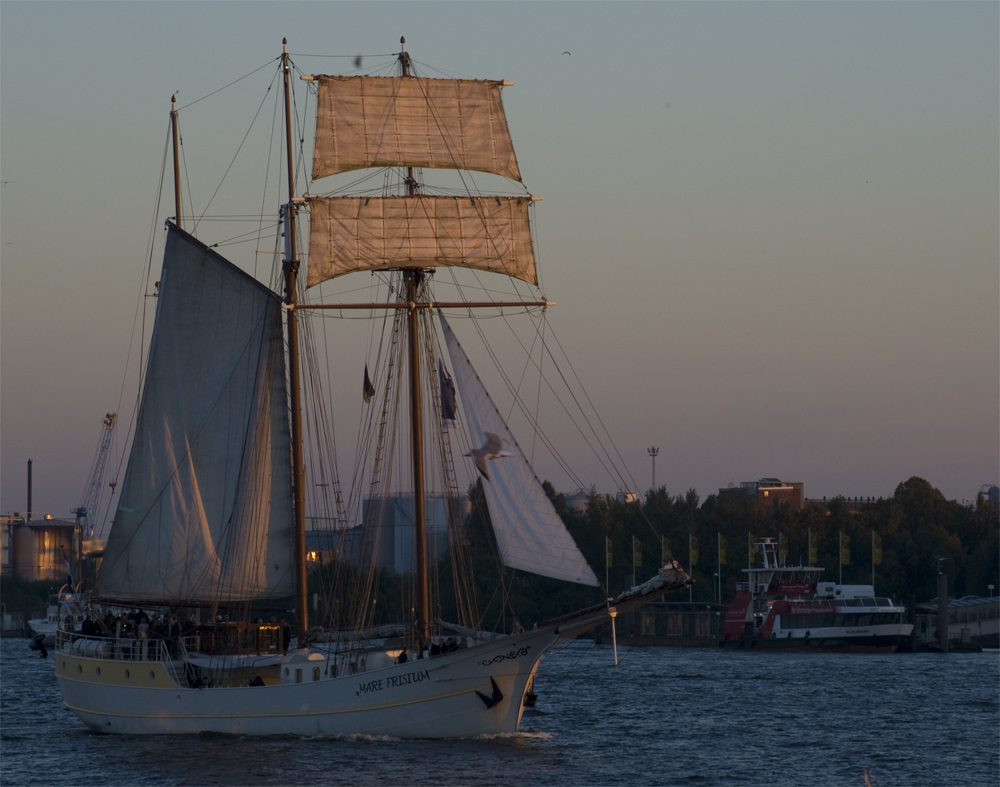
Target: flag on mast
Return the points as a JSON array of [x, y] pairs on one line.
[[448, 403], [876, 549], [369, 390], [693, 548], [69, 571], [607, 549], [636, 552], [722, 550], [845, 550], [665, 554], [813, 550]]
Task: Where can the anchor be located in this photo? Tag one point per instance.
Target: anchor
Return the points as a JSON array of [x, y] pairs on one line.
[[495, 699]]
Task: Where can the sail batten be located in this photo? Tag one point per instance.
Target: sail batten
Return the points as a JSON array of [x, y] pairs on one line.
[[349, 234], [530, 534], [364, 121], [205, 508]]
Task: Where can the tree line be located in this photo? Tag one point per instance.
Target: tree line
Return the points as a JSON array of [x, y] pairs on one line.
[[914, 527]]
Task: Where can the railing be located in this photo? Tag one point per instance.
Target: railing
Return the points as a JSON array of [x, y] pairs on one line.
[[115, 649]]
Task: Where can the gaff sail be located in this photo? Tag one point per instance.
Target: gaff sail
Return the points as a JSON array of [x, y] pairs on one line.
[[205, 508], [348, 234], [364, 121], [530, 534]]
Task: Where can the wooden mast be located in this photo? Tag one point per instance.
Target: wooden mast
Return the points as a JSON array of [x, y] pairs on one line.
[[177, 166], [291, 268], [413, 278]]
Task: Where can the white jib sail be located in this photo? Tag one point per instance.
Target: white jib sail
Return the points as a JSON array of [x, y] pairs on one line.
[[205, 508], [530, 534], [366, 122], [348, 234]]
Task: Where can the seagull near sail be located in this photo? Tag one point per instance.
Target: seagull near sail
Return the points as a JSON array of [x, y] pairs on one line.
[[492, 450]]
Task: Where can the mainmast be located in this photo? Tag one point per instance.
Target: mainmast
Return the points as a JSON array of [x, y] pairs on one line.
[[413, 278], [291, 268]]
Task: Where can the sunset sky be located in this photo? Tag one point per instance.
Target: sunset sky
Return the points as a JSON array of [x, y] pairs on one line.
[[772, 229]]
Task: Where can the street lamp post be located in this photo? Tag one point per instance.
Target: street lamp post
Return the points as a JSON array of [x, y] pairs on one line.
[[653, 453]]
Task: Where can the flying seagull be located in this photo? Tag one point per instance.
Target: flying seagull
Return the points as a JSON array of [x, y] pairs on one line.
[[492, 450], [568, 53]]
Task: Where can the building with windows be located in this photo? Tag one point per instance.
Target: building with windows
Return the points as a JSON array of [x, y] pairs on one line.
[[770, 490]]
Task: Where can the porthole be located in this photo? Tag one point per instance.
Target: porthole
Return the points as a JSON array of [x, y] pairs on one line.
[[127, 674], [64, 665], [286, 672], [152, 675], [79, 669], [98, 670]]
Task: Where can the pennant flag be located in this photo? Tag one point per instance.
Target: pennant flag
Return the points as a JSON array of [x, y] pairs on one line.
[[369, 389], [448, 405], [69, 571], [845, 550], [693, 549], [753, 557], [607, 544], [876, 549], [722, 550], [665, 554], [782, 547], [636, 552], [813, 550]]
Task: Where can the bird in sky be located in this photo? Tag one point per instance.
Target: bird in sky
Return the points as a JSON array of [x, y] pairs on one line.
[[568, 53], [492, 450]]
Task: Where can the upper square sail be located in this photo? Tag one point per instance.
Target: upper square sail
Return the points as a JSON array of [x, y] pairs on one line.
[[205, 509], [364, 121]]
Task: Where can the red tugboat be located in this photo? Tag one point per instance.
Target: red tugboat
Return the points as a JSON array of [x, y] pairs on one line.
[[788, 608]]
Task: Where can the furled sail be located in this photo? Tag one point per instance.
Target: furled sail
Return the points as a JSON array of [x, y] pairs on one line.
[[350, 234], [205, 508], [529, 532], [364, 121]]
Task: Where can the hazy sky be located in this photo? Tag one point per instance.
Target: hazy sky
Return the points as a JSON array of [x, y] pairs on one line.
[[771, 228]]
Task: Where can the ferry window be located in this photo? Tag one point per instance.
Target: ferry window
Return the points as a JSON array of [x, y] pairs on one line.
[[864, 620], [838, 620], [152, 675], [98, 672], [127, 674], [884, 602], [298, 676], [315, 673], [870, 602]]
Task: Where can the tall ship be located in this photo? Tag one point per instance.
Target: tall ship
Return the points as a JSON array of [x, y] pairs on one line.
[[788, 608], [233, 442]]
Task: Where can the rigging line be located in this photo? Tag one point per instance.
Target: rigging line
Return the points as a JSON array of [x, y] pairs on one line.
[[187, 177], [596, 412], [267, 169], [140, 307], [537, 427], [242, 142], [549, 444], [349, 57], [209, 95], [538, 396]]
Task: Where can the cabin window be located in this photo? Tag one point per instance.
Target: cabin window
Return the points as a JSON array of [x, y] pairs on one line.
[[315, 673], [79, 669], [865, 620], [298, 676], [98, 671], [152, 675], [127, 674]]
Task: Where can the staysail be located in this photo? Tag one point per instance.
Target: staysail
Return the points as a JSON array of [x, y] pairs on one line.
[[349, 234], [529, 532], [364, 121], [205, 508]]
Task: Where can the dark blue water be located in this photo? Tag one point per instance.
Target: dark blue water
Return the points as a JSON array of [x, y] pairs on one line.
[[665, 717]]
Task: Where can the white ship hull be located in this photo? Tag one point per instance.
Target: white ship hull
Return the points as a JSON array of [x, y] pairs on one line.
[[424, 698]]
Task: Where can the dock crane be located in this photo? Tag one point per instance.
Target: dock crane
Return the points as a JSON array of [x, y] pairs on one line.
[[86, 514]]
